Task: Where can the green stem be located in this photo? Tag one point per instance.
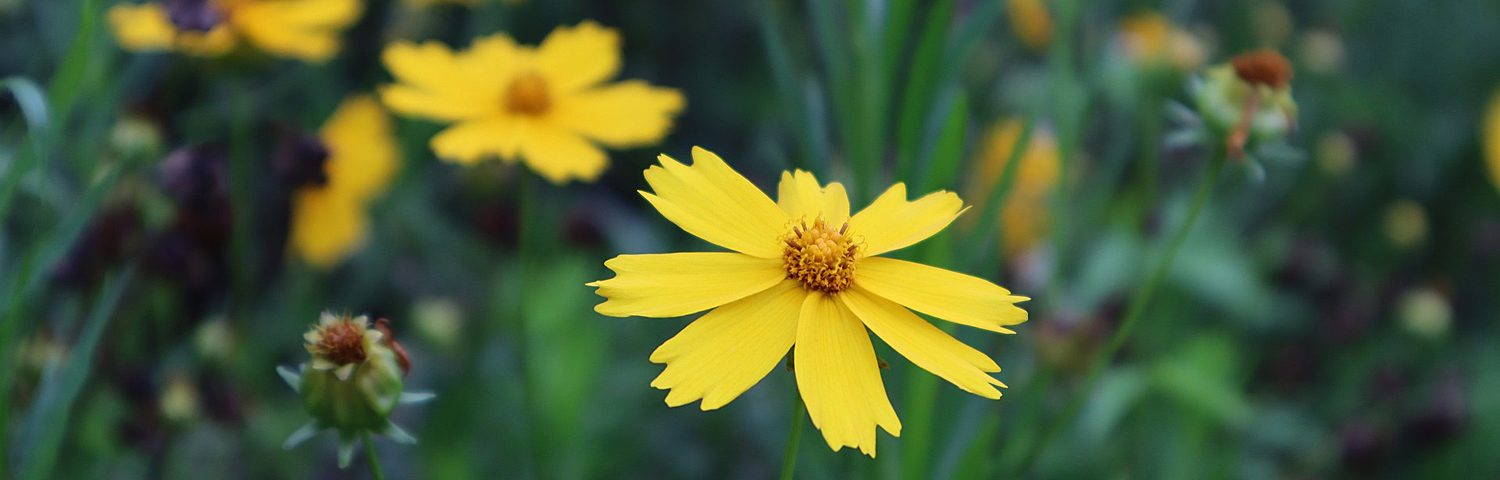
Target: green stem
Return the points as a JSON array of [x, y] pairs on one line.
[[375, 471], [1138, 304], [789, 461], [528, 247]]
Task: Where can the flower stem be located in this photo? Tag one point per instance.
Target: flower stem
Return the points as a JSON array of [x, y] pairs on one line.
[[1138, 304], [375, 471], [789, 462]]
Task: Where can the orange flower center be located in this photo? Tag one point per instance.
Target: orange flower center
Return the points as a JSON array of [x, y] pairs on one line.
[[1264, 67], [342, 343], [820, 257], [527, 95]]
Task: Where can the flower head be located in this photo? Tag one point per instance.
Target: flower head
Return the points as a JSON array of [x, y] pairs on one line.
[[547, 105], [352, 383], [1026, 215], [302, 29], [1031, 21], [804, 273], [1249, 100], [332, 193], [1149, 38], [1490, 136]]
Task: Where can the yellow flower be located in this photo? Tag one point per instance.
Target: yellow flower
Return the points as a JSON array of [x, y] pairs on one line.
[[458, 2], [1032, 23], [328, 220], [1491, 138], [803, 272], [547, 105], [303, 29], [1149, 38], [1025, 216]]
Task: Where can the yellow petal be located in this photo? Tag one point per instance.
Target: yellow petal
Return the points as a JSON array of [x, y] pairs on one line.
[[800, 196], [925, 345], [560, 155], [675, 284], [306, 29], [839, 376], [891, 222], [944, 294], [326, 227], [438, 84], [362, 154], [627, 114], [728, 350], [573, 58], [142, 27], [713, 202], [471, 141]]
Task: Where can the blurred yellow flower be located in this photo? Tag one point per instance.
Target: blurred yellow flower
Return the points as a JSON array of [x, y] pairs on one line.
[[329, 220], [1491, 138], [1032, 23], [1149, 38], [1026, 215], [458, 2], [803, 273], [303, 29], [546, 105]]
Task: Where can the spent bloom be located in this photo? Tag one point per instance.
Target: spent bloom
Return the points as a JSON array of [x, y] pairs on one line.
[[1026, 216], [549, 105], [350, 164], [304, 29], [1249, 100], [803, 272], [352, 383]]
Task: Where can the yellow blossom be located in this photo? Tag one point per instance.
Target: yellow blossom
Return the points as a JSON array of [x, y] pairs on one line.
[[1032, 23], [1149, 38], [1490, 135], [303, 29], [547, 105], [328, 220], [1025, 216], [803, 272]]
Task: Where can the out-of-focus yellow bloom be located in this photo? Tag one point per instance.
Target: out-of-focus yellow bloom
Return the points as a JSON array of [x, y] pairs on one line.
[[1031, 21], [1406, 223], [1272, 23], [548, 105], [803, 273], [303, 29], [459, 2], [1150, 39], [1336, 153], [1425, 312], [1490, 135], [1026, 217], [1322, 51], [329, 220]]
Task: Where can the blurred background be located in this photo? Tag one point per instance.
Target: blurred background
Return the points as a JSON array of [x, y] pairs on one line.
[[1331, 314]]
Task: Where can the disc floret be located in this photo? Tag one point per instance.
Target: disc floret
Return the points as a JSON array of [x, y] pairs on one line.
[[820, 256]]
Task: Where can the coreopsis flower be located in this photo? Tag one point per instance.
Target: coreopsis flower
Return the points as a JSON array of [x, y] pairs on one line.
[[1249, 100], [1031, 22], [458, 2], [359, 157], [1150, 39], [549, 105], [303, 29], [1026, 215], [803, 272], [352, 383], [1490, 136]]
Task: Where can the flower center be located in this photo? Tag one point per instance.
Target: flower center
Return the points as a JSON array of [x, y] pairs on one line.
[[342, 343], [820, 257], [1264, 67], [194, 15], [527, 95]]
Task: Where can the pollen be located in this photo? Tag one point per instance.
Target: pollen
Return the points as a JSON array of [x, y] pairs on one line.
[[1264, 67], [820, 256], [527, 95], [342, 342]]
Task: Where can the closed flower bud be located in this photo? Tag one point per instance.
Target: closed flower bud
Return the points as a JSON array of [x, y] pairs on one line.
[[1249, 100], [352, 383]]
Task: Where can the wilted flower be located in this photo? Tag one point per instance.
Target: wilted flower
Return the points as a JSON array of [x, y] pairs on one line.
[[548, 105], [358, 158], [352, 383], [303, 29], [804, 273], [1249, 100], [1026, 216]]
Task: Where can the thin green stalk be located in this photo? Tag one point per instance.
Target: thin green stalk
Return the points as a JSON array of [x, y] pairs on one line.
[[789, 461], [375, 471], [1138, 304], [527, 247]]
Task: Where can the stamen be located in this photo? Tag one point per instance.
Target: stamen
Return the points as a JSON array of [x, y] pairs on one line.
[[820, 257], [528, 95]]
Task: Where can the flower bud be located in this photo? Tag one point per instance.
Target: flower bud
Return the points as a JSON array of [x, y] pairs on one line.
[[1249, 100], [352, 383]]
